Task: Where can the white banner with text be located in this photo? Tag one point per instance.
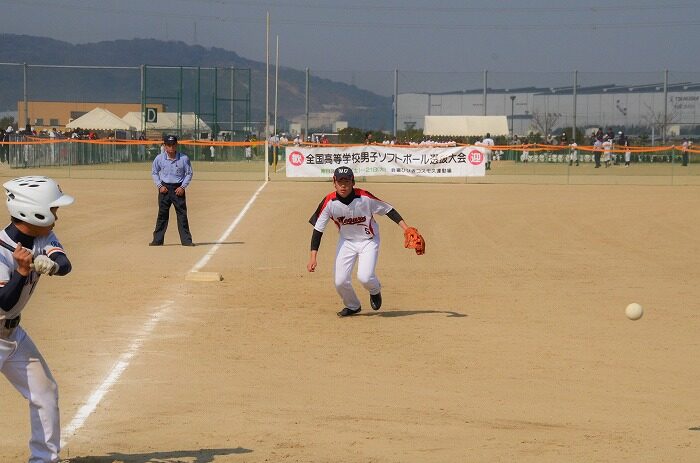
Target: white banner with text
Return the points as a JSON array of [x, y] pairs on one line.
[[372, 160]]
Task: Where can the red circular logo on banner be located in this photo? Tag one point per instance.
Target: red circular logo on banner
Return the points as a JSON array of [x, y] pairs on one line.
[[475, 157], [296, 158]]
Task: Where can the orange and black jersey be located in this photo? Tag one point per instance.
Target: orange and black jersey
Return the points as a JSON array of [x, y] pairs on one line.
[[352, 215]]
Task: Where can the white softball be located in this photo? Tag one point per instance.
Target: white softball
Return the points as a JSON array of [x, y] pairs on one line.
[[634, 311]]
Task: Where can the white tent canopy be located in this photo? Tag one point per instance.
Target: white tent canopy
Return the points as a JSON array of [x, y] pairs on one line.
[[168, 121], [465, 126], [99, 119]]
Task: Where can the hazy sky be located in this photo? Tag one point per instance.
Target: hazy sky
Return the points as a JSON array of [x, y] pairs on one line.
[[376, 36]]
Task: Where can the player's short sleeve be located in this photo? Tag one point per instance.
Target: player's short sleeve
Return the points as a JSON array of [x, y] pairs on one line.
[[322, 219], [377, 206], [380, 207], [321, 215]]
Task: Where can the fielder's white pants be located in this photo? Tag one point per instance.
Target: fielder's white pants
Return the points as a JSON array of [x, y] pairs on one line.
[[25, 368], [365, 253]]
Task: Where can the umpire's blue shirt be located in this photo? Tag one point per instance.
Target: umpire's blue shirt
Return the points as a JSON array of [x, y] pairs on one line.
[[177, 170]]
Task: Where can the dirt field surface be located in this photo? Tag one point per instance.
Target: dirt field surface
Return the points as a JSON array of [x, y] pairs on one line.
[[507, 341]]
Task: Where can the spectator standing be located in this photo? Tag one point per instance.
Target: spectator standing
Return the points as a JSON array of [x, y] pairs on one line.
[[284, 141], [274, 143], [487, 142], [26, 154], [248, 150], [607, 151], [610, 134], [53, 135], [4, 153], [142, 147], [8, 136], [684, 152], [573, 154], [623, 141], [525, 155], [172, 174], [597, 148]]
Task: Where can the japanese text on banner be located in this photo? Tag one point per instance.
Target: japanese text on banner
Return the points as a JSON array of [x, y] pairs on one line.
[[371, 160]]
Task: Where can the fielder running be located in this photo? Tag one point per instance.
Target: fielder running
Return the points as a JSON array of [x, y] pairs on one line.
[[353, 210], [32, 202]]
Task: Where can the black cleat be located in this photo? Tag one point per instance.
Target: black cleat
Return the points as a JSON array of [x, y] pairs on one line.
[[153, 243], [348, 312], [188, 244], [375, 301]]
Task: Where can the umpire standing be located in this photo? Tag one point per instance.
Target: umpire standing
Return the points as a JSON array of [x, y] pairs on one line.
[[172, 173]]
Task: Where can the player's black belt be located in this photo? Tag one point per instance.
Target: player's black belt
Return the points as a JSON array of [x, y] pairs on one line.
[[176, 185], [10, 323]]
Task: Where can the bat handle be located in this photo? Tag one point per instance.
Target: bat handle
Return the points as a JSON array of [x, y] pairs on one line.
[[7, 246], [12, 249]]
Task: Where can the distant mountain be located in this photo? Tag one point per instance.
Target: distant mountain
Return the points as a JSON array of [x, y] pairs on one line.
[[334, 100]]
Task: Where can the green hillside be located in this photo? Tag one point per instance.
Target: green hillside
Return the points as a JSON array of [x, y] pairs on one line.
[[359, 107]]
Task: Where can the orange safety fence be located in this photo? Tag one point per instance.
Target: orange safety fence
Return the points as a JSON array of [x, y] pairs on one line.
[[522, 147], [532, 147]]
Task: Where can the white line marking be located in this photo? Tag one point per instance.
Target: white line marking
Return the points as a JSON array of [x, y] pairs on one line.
[[205, 259], [123, 363], [98, 394]]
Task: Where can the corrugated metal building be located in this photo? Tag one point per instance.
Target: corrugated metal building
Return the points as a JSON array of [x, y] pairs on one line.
[[531, 109]]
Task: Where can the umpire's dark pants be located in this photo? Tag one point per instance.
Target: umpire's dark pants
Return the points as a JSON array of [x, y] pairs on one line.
[[180, 203]]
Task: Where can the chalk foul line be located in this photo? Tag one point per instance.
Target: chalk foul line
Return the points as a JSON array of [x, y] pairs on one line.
[[127, 356]]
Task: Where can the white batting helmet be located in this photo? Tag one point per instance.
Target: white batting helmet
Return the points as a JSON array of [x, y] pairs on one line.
[[30, 199]]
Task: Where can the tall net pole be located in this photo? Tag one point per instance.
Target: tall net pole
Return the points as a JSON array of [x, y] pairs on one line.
[[267, 95]]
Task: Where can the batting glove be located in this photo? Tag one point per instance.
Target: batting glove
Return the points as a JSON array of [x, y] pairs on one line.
[[44, 265]]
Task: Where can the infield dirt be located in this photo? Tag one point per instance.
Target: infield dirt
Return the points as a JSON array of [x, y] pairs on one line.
[[506, 341]]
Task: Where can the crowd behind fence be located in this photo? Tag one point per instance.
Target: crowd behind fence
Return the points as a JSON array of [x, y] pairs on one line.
[[33, 152], [29, 152]]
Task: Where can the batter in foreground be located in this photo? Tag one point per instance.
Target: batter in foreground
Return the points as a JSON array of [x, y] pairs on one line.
[[33, 203]]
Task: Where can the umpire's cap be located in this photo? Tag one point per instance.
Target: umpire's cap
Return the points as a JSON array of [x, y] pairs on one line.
[[170, 140], [343, 172]]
